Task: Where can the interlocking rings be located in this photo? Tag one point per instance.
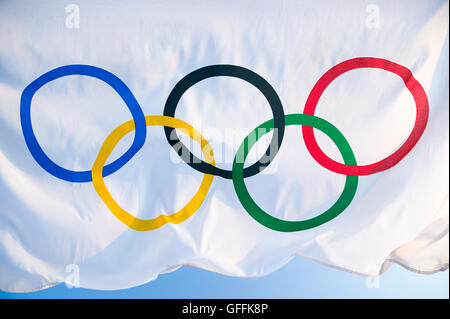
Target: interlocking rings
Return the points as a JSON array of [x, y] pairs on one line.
[[238, 172]]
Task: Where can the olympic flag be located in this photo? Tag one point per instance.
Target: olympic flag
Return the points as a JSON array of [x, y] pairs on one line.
[[231, 136]]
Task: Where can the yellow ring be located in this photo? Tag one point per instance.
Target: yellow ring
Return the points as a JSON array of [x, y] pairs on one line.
[[150, 224]]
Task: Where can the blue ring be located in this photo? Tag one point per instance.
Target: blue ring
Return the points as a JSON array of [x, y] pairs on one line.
[[35, 149]]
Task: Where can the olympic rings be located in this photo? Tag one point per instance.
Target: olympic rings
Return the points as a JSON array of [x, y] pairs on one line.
[[413, 86], [351, 182], [234, 71], [125, 217], [238, 172], [35, 149]]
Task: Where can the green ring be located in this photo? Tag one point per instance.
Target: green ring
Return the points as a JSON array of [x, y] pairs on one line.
[[351, 182]]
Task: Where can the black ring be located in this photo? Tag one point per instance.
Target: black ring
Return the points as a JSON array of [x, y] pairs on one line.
[[238, 72]]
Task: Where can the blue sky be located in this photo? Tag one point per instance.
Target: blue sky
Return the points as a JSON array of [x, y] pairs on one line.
[[301, 278]]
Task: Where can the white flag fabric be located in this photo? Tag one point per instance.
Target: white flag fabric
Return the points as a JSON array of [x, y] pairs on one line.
[[89, 200]]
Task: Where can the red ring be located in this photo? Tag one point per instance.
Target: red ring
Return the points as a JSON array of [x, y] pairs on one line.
[[413, 86]]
